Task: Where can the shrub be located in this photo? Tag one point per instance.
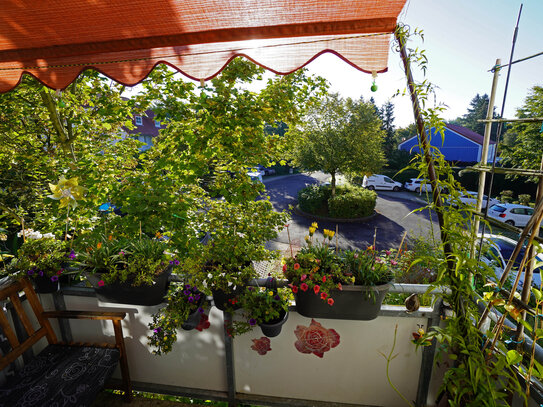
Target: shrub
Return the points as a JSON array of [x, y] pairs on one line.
[[313, 197], [524, 199], [506, 196], [354, 202]]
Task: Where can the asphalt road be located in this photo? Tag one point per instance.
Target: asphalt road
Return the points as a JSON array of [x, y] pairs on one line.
[[394, 217]]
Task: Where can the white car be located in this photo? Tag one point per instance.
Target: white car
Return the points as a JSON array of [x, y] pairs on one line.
[[417, 185], [470, 198], [512, 214], [498, 253], [378, 181]]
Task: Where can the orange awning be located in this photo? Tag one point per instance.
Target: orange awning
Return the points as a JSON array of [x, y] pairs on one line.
[[55, 40]]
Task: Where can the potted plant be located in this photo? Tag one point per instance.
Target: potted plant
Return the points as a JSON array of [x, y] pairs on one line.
[[266, 306], [184, 310], [127, 271], [42, 258], [329, 283], [238, 234]]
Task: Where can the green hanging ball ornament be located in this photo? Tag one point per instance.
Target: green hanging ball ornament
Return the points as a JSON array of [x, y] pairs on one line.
[[373, 87]]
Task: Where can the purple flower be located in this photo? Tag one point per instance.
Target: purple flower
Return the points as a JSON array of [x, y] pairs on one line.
[[277, 298], [186, 292], [200, 310], [54, 279], [157, 330], [72, 254], [30, 272], [197, 297], [252, 322], [250, 288], [187, 286], [191, 299], [40, 273]]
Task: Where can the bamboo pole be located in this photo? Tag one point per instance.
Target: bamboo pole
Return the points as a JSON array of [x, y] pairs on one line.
[[484, 160]]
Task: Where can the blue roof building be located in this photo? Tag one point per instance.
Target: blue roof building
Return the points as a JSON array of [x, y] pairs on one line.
[[459, 144]]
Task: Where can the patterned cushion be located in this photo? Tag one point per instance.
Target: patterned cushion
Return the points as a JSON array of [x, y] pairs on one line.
[[60, 376]]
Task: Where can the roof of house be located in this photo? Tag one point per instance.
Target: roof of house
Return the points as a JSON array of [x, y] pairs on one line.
[[470, 134], [463, 131], [147, 125]]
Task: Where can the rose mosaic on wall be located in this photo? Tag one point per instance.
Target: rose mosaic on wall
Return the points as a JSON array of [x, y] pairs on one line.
[[262, 345], [315, 339]]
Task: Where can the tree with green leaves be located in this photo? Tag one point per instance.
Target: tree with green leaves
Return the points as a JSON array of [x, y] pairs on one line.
[[477, 110], [387, 116], [339, 136], [525, 152]]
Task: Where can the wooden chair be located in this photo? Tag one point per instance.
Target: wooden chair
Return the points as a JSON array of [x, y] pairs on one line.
[[73, 363]]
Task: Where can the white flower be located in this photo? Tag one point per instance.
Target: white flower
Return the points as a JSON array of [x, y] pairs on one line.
[[210, 276], [229, 283], [25, 232], [48, 236], [34, 234]]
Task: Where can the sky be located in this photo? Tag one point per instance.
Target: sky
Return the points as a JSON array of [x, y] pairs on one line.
[[462, 39]]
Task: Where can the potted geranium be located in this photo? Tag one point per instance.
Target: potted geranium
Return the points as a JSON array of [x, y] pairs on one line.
[[267, 307], [42, 258], [329, 283], [184, 309], [134, 271]]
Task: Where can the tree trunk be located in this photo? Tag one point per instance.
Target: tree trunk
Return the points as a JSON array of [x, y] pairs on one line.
[[333, 183]]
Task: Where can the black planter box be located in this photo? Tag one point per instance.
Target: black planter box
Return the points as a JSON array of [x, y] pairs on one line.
[[353, 302]]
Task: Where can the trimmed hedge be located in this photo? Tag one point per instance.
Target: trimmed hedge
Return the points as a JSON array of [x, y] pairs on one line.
[[350, 201], [357, 203]]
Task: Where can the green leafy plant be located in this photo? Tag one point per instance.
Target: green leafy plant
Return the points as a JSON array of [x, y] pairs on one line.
[[41, 256], [137, 261], [263, 305], [183, 300]]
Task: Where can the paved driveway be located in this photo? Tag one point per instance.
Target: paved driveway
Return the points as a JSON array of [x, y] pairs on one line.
[[393, 217]]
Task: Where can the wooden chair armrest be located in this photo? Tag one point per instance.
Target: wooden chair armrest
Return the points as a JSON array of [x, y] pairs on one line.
[[109, 315]]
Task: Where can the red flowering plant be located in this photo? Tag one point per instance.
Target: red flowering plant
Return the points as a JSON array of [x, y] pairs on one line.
[[317, 267], [320, 268]]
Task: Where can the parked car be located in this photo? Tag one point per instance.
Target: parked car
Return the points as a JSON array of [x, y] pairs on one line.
[[264, 170], [499, 252], [377, 181], [420, 185], [512, 214], [256, 176], [470, 197], [417, 185]]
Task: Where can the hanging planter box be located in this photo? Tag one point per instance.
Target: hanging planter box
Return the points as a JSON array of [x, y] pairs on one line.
[[355, 302], [126, 293]]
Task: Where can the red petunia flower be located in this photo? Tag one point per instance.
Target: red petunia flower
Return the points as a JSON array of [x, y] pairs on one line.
[[101, 283], [296, 266], [330, 301], [324, 279], [294, 289], [317, 289], [304, 287], [339, 287], [323, 296], [284, 268]]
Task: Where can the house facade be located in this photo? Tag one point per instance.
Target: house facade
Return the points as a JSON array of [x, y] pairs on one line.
[[459, 144], [146, 128]]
